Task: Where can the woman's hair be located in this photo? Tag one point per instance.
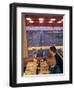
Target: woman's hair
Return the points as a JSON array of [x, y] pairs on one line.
[[53, 48]]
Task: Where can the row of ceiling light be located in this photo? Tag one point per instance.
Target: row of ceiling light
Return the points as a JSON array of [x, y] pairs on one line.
[[41, 20]]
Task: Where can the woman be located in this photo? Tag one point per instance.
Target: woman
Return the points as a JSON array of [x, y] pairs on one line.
[[52, 61]]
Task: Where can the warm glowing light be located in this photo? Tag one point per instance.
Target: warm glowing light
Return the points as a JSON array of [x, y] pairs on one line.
[[31, 21], [41, 20], [59, 21], [28, 18], [52, 19]]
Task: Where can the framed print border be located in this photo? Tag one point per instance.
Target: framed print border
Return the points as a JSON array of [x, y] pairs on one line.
[[13, 44]]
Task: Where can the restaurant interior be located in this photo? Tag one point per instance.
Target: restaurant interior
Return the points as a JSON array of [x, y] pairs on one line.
[[42, 36]]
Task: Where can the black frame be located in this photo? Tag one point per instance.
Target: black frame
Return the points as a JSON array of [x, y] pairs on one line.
[[13, 43]]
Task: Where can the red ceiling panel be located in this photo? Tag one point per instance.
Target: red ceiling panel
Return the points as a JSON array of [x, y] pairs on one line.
[[47, 18]]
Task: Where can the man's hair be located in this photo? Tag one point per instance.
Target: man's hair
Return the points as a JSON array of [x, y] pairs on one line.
[[53, 48]]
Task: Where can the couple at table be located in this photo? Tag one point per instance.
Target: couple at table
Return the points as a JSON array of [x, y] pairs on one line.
[[54, 61]]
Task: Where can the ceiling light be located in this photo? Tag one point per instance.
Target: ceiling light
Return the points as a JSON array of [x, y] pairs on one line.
[[59, 21], [52, 19], [31, 21], [28, 18], [50, 22], [41, 20]]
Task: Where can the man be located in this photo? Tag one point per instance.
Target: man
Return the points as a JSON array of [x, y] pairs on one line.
[[34, 53], [40, 53], [55, 62]]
